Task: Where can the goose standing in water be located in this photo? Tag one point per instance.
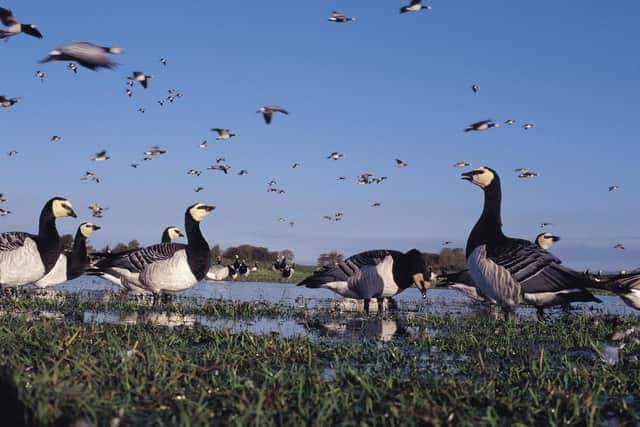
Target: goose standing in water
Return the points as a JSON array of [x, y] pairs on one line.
[[165, 267], [511, 271], [373, 274], [25, 258], [72, 264]]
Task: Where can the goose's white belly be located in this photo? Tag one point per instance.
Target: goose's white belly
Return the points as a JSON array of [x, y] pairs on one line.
[[21, 266], [218, 272], [173, 274], [57, 275]]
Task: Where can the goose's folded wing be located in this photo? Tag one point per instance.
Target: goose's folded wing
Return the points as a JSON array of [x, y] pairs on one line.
[[137, 260], [12, 240], [345, 270], [534, 268]]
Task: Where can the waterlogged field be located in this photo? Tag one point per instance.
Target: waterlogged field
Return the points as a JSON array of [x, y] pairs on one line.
[[273, 354]]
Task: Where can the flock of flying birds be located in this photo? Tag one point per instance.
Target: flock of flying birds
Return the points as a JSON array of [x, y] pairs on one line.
[[503, 271]]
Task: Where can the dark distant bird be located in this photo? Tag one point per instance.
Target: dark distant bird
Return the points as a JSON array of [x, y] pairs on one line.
[[2, 198], [527, 126], [223, 168], [73, 67], [8, 102], [12, 153], [327, 217], [134, 165], [335, 155], [475, 88], [223, 134], [97, 211], [130, 83], [90, 176], [13, 27], [509, 122], [272, 183], [545, 224], [613, 187], [56, 138], [161, 102], [268, 110], [401, 164], [295, 165], [199, 189], [339, 17], [414, 6], [141, 110], [220, 160], [619, 246], [195, 172], [129, 92], [528, 174], [146, 159], [461, 164], [481, 125], [86, 54], [203, 144], [141, 77], [243, 172], [170, 98], [375, 205], [101, 156], [163, 61], [342, 178], [40, 75], [155, 151], [446, 242], [4, 212]]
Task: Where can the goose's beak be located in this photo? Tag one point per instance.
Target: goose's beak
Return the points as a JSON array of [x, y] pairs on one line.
[[467, 176]]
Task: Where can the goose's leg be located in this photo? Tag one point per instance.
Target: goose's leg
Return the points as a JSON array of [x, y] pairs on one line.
[[380, 305], [540, 314], [366, 306]]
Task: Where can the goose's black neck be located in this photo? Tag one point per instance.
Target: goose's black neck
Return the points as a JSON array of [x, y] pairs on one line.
[[77, 260], [197, 248], [488, 229], [48, 241]]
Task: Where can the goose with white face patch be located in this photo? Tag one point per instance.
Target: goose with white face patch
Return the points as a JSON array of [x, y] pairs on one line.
[[13, 27], [546, 240], [72, 264], [515, 271], [25, 258], [166, 267], [131, 283], [375, 274]]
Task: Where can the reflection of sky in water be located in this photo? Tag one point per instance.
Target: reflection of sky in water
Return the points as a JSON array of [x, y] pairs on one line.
[[439, 301]]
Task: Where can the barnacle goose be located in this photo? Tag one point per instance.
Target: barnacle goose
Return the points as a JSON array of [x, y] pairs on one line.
[[546, 240], [132, 283], [141, 77], [268, 110], [373, 274], [515, 271], [414, 6], [165, 267], [219, 271], [26, 258], [86, 54], [14, 27], [72, 264]]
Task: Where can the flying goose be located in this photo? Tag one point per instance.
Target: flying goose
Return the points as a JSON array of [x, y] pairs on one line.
[[165, 267], [26, 258], [199, 189], [515, 271], [13, 27], [461, 164], [8, 102], [373, 274], [401, 164], [141, 110], [475, 88], [619, 246], [509, 122], [545, 224], [139, 76], [163, 61], [223, 134], [73, 263], [129, 93], [5, 212], [101, 156], [97, 211], [339, 17], [414, 6], [12, 153], [86, 54], [527, 126], [73, 67], [481, 125], [40, 75], [56, 138], [268, 110], [613, 188], [2, 198], [155, 151], [335, 155]]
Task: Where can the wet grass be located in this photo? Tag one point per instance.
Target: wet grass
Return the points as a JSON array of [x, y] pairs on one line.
[[449, 370]]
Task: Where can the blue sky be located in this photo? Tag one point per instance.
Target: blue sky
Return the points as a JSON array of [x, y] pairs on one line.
[[383, 87]]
